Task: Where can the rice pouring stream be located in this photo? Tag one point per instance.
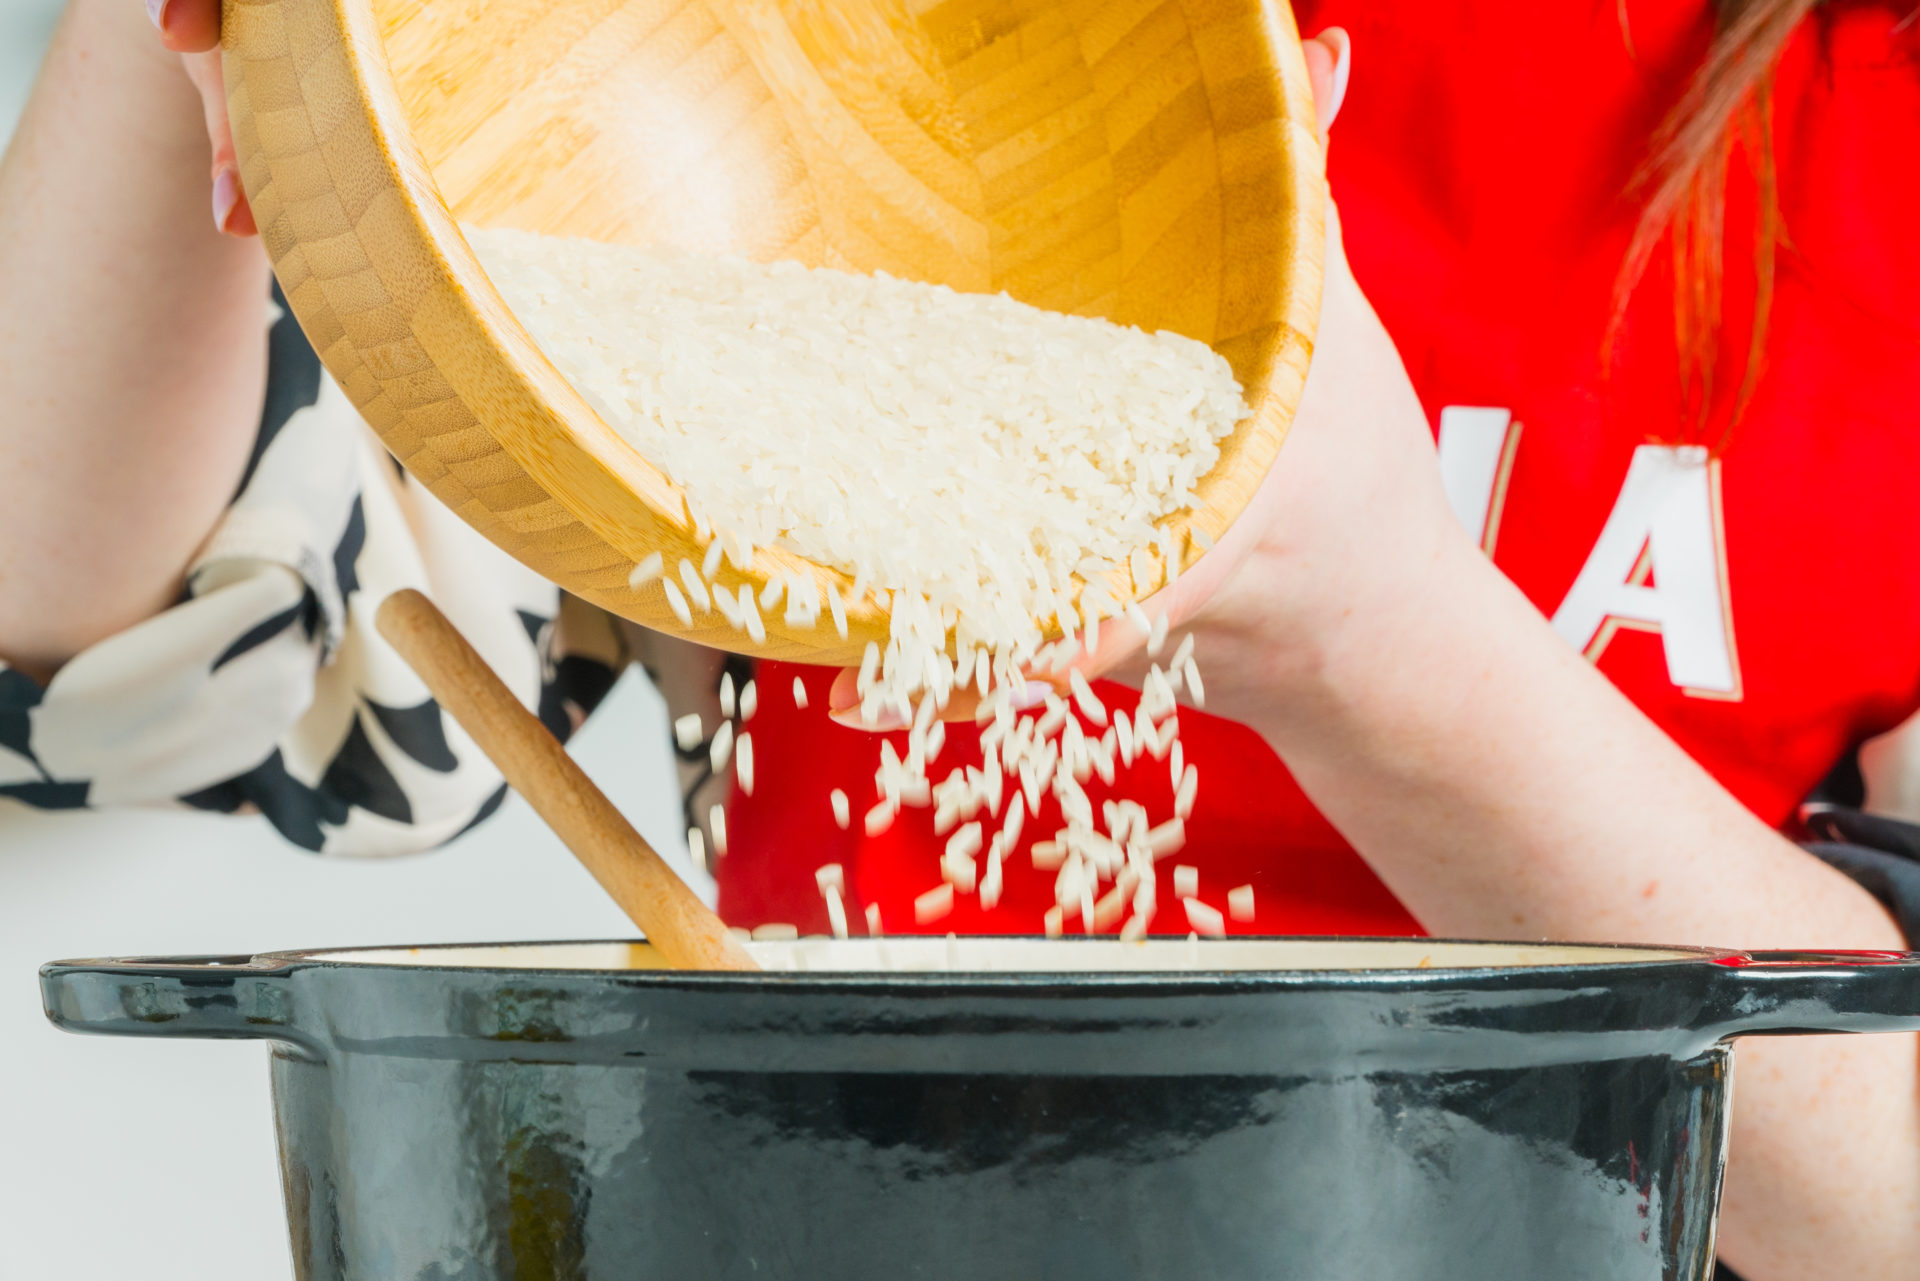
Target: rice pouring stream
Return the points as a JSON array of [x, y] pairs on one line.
[[965, 458]]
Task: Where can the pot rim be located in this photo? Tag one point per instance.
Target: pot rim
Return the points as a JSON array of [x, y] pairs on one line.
[[1633, 959]]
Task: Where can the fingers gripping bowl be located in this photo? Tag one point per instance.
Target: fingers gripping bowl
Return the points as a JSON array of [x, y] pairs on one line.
[[1155, 164]]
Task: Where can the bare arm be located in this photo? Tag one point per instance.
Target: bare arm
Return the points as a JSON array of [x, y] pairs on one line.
[[132, 342], [1503, 788]]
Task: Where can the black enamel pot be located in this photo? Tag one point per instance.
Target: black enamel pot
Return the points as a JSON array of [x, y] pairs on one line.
[[1346, 1111]]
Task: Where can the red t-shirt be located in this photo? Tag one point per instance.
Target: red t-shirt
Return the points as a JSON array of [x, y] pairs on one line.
[[1763, 607]]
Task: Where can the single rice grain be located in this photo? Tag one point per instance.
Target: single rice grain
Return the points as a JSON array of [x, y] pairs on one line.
[[743, 764], [934, 905], [646, 571], [1204, 919], [687, 732]]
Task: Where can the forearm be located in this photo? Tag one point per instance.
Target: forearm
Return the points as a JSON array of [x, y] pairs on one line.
[[1504, 789], [132, 351]]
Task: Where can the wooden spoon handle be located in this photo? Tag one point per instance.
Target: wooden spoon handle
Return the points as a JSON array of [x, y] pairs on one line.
[[675, 921]]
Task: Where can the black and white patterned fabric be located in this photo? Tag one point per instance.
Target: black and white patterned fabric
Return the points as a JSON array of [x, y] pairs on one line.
[[266, 688]]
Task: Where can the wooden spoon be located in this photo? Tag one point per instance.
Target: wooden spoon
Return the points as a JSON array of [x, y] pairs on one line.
[[675, 921]]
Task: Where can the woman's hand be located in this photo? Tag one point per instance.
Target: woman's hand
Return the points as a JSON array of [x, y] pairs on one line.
[[191, 28], [1311, 551], [1351, 521]]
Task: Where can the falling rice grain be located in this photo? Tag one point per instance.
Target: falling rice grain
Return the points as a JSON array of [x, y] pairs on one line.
[[1240, 903], [958, 871], [697, 847], [677, 602], [1010, 826], [1189, 789], [799, 693], [717, 821], [1090, 705], [1195, 690], [726, 695], [842, 813], [1186, 881], [1113, 904], [687, 731], [1204, 919], [721, 750], [934, 905], [696, 589], [646, 571], [966, 842], [743, 764], [1157, 638], [749, 701], [839, 608]]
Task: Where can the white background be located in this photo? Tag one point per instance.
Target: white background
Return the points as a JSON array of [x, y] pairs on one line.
[[153, 1160]]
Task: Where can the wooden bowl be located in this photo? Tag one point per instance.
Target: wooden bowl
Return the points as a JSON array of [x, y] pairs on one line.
[[1151, 161]]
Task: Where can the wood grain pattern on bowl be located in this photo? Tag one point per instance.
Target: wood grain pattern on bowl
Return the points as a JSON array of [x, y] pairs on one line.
[[1151, 161]]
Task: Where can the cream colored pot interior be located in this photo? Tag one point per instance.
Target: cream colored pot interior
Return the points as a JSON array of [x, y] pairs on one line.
[[1032, 956]]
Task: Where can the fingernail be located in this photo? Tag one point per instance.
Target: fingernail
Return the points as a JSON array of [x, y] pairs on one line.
[[226, 197], [157, 12], [1030, 696], [844, 695], [1342, 69]]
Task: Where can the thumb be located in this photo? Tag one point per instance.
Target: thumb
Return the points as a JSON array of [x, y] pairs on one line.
[[1329, 64]]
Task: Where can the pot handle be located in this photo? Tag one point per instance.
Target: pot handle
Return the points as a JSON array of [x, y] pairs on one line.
[[210, 997], [1798, 993]]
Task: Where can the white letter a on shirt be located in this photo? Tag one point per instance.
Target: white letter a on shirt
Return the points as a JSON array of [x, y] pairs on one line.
[[1660, 566]]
